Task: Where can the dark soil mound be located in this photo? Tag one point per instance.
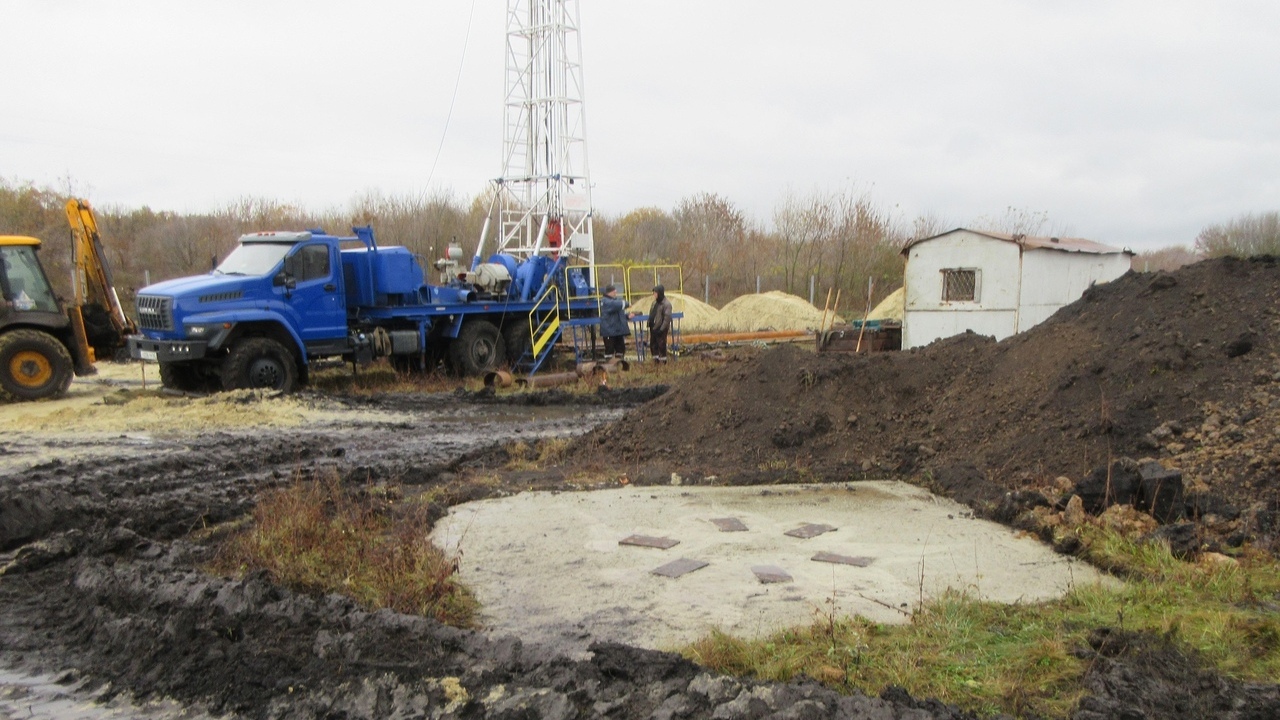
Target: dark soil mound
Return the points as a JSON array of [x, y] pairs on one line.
[[1168, 366], [136, 614]]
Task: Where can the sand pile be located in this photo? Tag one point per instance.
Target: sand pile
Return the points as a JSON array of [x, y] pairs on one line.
[[774, 310], [890, 308], [698, 316]]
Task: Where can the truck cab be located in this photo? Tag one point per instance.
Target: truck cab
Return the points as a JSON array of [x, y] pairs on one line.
[[253, 321]]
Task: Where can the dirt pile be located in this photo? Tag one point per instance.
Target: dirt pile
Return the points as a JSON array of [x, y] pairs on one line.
[[1178, 367]]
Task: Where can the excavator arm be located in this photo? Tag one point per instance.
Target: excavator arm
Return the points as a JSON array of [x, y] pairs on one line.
[[97, 314]]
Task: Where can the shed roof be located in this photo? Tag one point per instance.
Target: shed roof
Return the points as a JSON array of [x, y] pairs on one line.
[[1031, 242]]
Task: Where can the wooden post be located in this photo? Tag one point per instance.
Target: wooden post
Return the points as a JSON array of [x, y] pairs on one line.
[[871, 283]]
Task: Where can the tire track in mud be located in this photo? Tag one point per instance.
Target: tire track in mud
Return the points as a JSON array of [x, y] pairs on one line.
[[104, 582], [201, 481]]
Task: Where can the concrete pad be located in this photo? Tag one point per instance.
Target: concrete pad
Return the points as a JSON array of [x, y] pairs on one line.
[[548, 566]]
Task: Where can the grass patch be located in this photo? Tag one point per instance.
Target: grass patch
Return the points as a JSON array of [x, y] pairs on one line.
[[524, 456], [1018, 659], [316, 537]]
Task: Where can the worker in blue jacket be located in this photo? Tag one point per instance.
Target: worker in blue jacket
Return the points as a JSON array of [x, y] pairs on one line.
[[614, 323]]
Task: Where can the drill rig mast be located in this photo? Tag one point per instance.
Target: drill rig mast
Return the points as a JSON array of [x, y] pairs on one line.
[[543, 198]]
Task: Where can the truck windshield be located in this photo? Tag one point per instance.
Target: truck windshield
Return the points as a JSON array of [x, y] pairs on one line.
[[254, 259]]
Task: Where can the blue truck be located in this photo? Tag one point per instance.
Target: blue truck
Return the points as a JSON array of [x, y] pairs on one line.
[[282, 300]]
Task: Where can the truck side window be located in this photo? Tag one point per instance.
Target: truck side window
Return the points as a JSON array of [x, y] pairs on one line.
[[309, 263]]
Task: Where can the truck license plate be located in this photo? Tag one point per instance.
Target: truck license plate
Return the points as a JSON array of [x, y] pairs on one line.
[[147, 355]]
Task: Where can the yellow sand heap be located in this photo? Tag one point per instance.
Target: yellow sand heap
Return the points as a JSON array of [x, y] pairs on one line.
[[774, 310], [697, 314], [890, 308]]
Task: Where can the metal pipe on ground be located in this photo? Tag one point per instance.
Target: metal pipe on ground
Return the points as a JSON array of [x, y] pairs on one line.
[[606, 366], [498, 379], [690, 339], [548, 380]]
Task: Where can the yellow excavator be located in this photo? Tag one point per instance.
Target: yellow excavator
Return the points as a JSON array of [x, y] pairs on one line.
[[43, 342]]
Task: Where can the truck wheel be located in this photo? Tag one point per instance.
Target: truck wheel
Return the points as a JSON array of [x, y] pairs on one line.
[[477, 349], [516, 336], [259, 364], [183, 377], [34, 365]]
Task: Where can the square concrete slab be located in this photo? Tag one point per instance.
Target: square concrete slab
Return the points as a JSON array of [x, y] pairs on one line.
[[545, 564], [729, 524], [804, 532], [649, 541], [829, 557], [768, 574], [676, 568]]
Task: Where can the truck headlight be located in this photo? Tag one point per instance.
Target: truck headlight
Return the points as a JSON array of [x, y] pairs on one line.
[[197, 331]]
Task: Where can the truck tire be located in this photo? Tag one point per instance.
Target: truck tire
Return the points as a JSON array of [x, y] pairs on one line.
[[34, 365], [517, 338], [183, 377], [477, 349], [259, 364]]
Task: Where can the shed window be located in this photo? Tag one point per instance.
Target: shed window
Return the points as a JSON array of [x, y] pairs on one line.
[[959, 285]]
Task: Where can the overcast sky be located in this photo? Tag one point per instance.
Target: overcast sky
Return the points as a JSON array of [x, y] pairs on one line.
[[1134, 123]]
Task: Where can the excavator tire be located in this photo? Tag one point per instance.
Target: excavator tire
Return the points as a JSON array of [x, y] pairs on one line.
[[259, 364], [34, 365], [477, 349]]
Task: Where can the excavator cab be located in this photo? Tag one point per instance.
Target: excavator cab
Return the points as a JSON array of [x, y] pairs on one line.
[[26, 288], [40, 347]]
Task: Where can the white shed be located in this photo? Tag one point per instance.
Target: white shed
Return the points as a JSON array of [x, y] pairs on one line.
[[996, 284]]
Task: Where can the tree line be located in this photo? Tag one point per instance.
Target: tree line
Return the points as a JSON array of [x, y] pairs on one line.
[[821, 240]]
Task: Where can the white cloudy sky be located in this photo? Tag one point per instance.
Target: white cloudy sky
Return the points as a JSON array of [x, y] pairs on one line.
[[1133, 122]]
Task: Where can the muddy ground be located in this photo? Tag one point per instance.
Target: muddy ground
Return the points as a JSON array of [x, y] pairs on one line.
[[103, 534], [103, 585]]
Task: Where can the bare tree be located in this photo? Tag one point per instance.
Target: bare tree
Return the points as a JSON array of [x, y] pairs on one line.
[[646, 235], [1014, 221], [1166, 259], [1242, 236], [712, 233]]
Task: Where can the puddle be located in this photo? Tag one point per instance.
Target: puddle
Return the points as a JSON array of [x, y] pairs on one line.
[[549, 567], [43, 696]]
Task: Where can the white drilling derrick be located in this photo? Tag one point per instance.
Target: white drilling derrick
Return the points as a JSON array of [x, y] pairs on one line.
[[543, 198]]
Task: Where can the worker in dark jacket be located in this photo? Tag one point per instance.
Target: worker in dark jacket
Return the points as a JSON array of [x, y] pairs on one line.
[[659, 324], [614, 325]]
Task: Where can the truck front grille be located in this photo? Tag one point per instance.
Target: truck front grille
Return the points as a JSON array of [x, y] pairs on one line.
[[155, 313]]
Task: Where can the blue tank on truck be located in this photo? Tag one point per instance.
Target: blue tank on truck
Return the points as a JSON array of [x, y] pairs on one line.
[[282, 300]]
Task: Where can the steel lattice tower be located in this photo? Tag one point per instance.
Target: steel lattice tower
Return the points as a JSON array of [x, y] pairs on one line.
[[543, 198]]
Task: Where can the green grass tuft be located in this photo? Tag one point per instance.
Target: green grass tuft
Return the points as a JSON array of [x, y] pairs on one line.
[[316, 537], [990, 658]]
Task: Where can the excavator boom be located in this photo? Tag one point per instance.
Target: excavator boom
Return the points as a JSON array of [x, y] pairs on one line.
[[103, 318]]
